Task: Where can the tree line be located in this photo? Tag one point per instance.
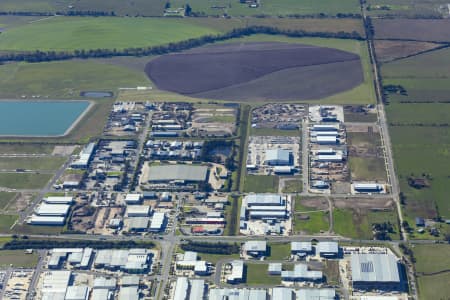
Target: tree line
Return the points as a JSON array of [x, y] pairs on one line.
[[17, 244], [42, 56], [211, 248]]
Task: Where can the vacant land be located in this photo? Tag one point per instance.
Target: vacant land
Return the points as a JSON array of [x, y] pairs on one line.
[[257, 275], [311, 223], [434, 287], [362, 220], [24, 180], [5, 198], [26, 148], [408, 8], [273, 132], [287, 65], [261, 184], [292, 186], [392, 50], [209, 7], [18, 259], [418, 113], [6, 221], [31, 163], [65, 79], [279, 251], [70, 33], [427, 30], [431, 258], [367, 168]]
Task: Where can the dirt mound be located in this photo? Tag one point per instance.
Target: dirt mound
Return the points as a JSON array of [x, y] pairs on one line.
[[255, 71]]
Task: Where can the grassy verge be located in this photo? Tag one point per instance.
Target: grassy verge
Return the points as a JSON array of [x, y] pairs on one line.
[[273, 132]]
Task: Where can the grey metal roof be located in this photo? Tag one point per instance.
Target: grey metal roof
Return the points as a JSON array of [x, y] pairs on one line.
[[138, 222], [255, 246], [328, 247], [129, 293], [301, 246], [374, 268], [177, 172], [263, 199], [282, 293], [316, 294], [181, 289], [301, 272], [278, 155], [197, 289]]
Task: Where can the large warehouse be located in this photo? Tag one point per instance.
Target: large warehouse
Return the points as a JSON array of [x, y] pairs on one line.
[[278, 157], [184, 173], [375, 272]]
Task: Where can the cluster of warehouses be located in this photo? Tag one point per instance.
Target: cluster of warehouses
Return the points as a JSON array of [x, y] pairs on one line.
[[325, 134], [52, 211], [263, 206], [135, 260], [60, 285]]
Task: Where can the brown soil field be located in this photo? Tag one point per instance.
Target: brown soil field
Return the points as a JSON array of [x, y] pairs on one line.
[[433, 30], [257, 71], [367, 203], [390, 50]]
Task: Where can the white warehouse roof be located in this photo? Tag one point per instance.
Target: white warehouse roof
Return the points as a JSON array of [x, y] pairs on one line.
[[374, 268], [59, 200], [53, 209], [263, 199]]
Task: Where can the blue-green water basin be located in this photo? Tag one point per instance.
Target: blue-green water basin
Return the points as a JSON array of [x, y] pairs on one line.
[[39, 118]]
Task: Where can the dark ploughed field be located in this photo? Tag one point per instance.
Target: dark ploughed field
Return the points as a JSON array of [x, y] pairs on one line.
[[257, 71]]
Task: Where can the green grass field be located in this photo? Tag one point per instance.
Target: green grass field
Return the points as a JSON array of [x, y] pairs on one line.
[[279, 251], [431, 258], [70, 33], [24, 180], [434, 287], [257, 275], [31, 163], [273, 132], [5, 198], [18, 259], [317, 222], [367, 168], [156, 7], [361, 225], [6, 221], [419, 113], [408, 8], [26, 148], [292, 186], [64, 79], [261, 184]]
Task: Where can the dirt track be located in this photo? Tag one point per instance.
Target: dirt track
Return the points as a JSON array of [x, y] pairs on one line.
[[255, 71]]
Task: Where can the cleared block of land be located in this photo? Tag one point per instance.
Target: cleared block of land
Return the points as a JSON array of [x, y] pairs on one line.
[[70, 33], [18, 259], [31, 163], [257, 275], [237, 72], [434, 287], [312, 222], [5, 198], [431, 258], [24, 180], [391, 50], [430, 30], [261, 184]]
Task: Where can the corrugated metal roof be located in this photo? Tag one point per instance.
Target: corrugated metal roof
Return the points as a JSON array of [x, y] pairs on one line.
[[374, 268]]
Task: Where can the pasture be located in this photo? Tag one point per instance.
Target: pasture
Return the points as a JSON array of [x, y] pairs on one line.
[[431, 258], [31, 163], [427, 30], [261, 184], [361, 225], [70, 33], [5, 198], [434, 287], [18, 259], [24, 180], [208, 7], [392, 50], [311, 222]]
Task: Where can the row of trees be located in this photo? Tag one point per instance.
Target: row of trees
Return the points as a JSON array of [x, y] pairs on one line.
[[17, 244], [211, 248], [82, 13], [40, 56]]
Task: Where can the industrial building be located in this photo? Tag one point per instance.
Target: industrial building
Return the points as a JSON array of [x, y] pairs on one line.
[[189, 261], [85, 157], [368, 188], [278, 157], [325, 127], [181, 173], [301, 273], [301, 248], [255, 248], [59, 200], [138, 210], [325, 140], [55, 284], [275, 269], [284, 293], [328, 249], [52, 210], [78, 292], [375, 272], [329, 157], [80, 258], [237, 272], [241, 294], [133, 199], [158, 222], [46, 220], [189, 289], [128, 293], [130, 261], [138, 224]]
